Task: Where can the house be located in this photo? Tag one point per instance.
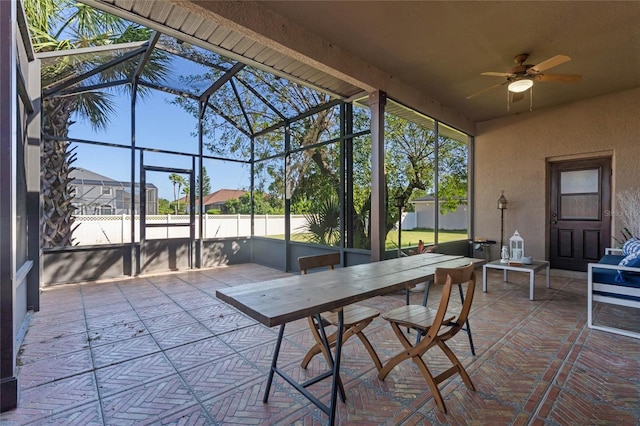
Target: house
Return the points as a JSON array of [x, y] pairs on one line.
[[215, 200], [96, 194]]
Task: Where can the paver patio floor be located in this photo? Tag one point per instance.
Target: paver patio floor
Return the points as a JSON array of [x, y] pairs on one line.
[[163, 350]]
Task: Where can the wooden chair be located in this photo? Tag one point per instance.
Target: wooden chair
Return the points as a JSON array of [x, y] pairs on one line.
[[356, 317], [436, 327], [466, 329]]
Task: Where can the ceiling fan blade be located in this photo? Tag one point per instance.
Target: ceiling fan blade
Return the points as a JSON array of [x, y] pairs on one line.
[[517, 97], [486, 90], [497, 74], [565, 78], [549, 63]]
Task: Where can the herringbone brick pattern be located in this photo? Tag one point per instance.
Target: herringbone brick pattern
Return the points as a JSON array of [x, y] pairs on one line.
[[163, 350]]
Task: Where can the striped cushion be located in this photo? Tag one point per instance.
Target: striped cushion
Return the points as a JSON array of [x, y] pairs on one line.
[[631, 246], [633, 261]]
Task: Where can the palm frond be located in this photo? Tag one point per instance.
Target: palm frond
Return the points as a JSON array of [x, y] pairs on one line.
[[97, 107], [323, 227]]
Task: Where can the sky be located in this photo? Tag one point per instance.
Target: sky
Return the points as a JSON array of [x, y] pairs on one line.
[[160, 125]]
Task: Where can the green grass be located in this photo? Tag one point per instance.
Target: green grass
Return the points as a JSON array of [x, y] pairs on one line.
[[409, 238]]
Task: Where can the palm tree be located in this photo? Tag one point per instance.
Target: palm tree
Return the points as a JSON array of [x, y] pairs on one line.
[[324, 227], [63, 25], [178, 181]]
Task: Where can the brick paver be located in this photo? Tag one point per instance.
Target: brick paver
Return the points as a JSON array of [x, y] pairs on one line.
[[163, 350]]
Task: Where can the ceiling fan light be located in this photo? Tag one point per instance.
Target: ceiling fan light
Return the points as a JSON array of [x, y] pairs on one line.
[[520, 85]]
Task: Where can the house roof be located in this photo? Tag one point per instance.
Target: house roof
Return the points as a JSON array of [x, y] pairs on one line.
[[87, 177], [219, 196], [222, 195]]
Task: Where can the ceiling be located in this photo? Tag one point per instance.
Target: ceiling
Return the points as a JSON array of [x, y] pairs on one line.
[[442, 47], [438, 47]]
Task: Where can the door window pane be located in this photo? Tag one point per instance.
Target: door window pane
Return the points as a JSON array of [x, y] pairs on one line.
[[580, 195], [580, 207], [579, 181]]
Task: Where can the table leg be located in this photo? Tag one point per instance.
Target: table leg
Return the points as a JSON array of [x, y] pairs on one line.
[[548, 270], [335, 381], [325, 343], [532, 280], [274, 362], [425, 297], [484, 278], [505, 275]]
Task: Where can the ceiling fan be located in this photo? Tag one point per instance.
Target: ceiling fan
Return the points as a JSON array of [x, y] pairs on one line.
[[521, 77]]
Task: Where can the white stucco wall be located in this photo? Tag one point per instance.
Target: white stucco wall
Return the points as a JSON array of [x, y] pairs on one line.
[[512, 154]]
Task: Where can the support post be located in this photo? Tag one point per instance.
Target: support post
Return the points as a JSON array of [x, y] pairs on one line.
[[8, 379], [377, 102]]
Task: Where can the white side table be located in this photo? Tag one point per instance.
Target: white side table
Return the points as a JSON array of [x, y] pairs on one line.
[[536, 266]]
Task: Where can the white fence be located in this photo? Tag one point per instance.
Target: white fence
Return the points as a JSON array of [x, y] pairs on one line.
[[113, 229]]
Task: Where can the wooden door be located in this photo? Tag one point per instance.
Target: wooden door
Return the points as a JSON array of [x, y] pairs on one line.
[[580, 201]]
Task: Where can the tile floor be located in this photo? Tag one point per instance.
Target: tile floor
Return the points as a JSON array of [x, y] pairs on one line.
[[164, 350]]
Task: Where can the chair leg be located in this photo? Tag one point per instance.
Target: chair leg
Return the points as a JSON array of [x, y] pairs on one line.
[[325, 345], [468, 329], [372, 353], [319, 346], [415, 353], [355, 330], [425, 299], [431, 382], [397, 359], [457, 365]]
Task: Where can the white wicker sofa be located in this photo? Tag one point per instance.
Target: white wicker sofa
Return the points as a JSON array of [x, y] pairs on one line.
[[608, 282]]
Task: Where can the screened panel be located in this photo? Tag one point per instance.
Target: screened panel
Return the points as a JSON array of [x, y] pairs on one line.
[[453, 181], [162, 123], [410, 171], [270, 144], [118, 126], [358, 216], [320, 127], [269, 198], [314, 185], [60, 69], [361, 118], [194, 69]]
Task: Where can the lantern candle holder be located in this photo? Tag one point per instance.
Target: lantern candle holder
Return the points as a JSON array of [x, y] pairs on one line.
[[516, 245]]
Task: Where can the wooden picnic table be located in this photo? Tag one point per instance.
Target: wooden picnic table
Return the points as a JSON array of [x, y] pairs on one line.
[[280, 301]]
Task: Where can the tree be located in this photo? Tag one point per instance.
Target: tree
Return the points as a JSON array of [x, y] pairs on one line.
[[313, 174], [323, 227], [64, 25], [263, 204], [206, 183], [178, 182], [164, 206]]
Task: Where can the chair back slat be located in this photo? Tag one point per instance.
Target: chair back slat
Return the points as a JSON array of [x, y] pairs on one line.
[[432, 333], [318, 261], [458, 275], [468, 298], [465, 274]]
